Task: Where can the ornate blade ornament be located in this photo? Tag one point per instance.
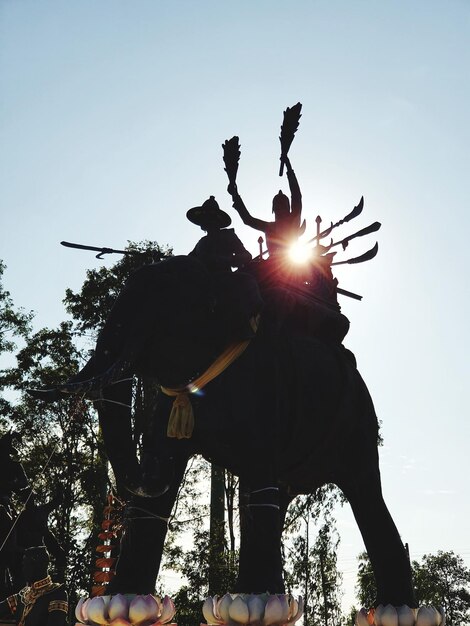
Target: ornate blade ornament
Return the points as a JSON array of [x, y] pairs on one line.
[[372, 228], [289, 126], [350, 216], [101, 251], [367, 256], [231, 148]]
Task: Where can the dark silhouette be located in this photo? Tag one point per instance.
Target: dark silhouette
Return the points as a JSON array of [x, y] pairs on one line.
[[288, 415], [220, 249], [12, 480], [255, 380], [31, 531], [236, 294], [42, 602], [286, 227]]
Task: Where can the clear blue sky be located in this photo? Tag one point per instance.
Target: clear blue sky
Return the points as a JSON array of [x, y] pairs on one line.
[[112, 116]]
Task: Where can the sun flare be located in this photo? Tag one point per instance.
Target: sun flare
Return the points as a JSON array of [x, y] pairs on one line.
[[300, 252]]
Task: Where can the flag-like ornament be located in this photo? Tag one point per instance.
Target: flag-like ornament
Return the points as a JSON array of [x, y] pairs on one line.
[[231, 148], [288, 129]]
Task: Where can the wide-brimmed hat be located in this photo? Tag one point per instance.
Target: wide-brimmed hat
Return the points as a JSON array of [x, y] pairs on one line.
[[209, 214]]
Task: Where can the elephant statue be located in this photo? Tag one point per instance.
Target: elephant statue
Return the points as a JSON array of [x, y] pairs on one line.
[[284, 408]]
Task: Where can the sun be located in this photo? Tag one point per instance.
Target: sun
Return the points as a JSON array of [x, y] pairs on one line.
[[300, 252]]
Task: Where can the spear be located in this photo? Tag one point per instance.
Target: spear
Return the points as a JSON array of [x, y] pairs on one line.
[[101, 251], [288, 128], [231, 148]]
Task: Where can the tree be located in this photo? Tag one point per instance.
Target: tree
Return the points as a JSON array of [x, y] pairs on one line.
[[311, 562], [61, 450], [14, 323], [440, 580], [443, 580], [366, 589]]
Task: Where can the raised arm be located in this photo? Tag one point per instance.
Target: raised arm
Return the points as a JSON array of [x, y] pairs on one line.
[[296, 196], [241, 209]]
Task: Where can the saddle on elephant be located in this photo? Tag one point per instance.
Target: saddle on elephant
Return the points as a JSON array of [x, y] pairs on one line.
[[301, 297]]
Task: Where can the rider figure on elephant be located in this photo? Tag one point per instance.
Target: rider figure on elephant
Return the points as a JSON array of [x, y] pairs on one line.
[[237, 297], [294, 294], [286, 227]]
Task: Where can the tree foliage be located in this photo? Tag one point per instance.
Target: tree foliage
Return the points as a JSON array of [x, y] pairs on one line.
[[440, 580], [14, 324], [366, 589], [443, 580], [311, 557]]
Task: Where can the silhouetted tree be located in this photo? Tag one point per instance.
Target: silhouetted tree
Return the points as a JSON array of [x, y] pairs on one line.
[[443, 580]]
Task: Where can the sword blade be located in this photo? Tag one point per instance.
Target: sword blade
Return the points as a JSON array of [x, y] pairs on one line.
[[367, 256]]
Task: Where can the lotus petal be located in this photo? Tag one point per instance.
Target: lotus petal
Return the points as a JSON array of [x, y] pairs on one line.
[[168, 610], [406, 616], [255, 607], [284, 600], [389, 616], [378, 614], [85, 610], [143, 609], [300, 611], [238, 611], [208, 611], [223, 607], [97, 611], [120, 621], [273, 611], [442, 613], [361, 618], [437, 615], [293, 606], [78, 611], [158, 600], [118, 607], [427, 616]]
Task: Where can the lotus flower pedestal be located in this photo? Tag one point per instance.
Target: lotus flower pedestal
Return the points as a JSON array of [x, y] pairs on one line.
[[401, 616], [125, 610], [261, 609]]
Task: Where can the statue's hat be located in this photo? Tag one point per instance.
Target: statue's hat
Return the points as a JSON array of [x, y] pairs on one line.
[[281, 202], [209, 214]]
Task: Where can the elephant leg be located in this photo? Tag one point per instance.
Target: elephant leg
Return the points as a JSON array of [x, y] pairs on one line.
[[146, 526], [260, 565], [384, 546]]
